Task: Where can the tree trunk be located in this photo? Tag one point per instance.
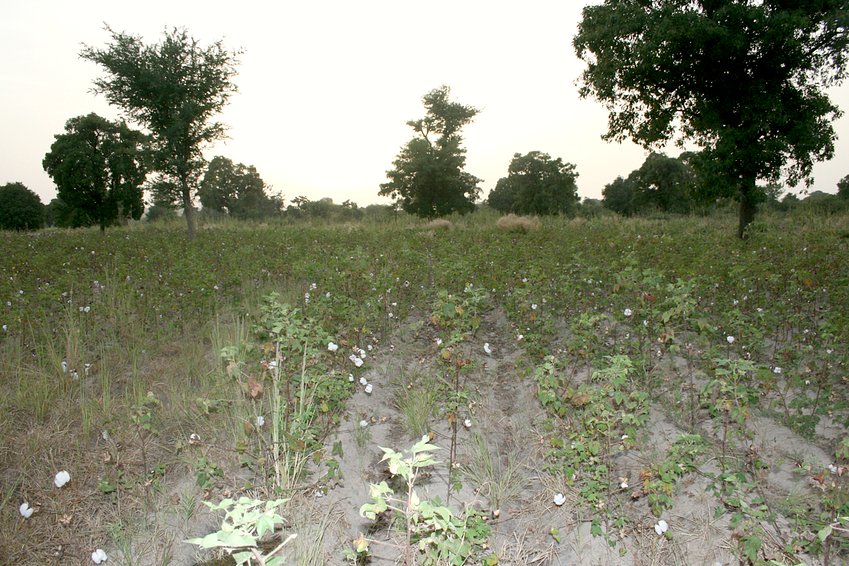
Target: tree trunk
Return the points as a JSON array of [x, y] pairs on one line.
[[188, 209], [748, 206]]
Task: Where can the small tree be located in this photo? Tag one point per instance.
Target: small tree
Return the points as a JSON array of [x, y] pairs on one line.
[[98, 167], [428, 179], [174, 89], [20, 208], [743, 80], [663, 183], [619, 196], [843, 188], [536, 184], [237, 188]]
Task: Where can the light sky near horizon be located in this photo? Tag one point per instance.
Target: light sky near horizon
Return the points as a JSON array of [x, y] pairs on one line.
[[326, 87]]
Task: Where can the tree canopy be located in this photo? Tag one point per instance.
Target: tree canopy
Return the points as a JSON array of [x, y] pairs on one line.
[[238, 188], [743, 80], [536, 184], [98, 167], [174, 89], [843, 188], [429, 179], [20, 208]]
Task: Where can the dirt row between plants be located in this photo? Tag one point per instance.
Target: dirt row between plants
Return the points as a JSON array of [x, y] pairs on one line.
[[501, 466]]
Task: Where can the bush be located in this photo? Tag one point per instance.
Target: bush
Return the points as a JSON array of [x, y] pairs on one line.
[[20, 208]]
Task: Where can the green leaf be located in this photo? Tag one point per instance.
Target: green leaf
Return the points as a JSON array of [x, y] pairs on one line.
[[824, 533], [237, 539]]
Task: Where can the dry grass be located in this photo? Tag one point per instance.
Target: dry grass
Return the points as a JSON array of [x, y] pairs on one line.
[[438, 224], [521, 224]]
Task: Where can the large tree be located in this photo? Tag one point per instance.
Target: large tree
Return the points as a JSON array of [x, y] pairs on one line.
[[536, 184], [20, 208], [741, 79], [174, 89], [428, 179], [238, 188], [98, 167]]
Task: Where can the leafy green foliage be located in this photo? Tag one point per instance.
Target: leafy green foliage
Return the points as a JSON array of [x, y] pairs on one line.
[[440, 536], [591, 421], [245, 522], [174, 89], [98, 167], [745, 81], [659, 480], [237, 189], [536, 184], [20, 208], [661, 184], [428, 179]]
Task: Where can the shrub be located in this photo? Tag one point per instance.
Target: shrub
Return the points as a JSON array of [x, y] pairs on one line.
[[20, 208]]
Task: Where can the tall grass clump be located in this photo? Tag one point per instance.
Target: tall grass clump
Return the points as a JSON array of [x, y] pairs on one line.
[[521, 224]]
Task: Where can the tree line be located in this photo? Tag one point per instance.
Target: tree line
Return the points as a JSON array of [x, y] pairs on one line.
[[744, 82]]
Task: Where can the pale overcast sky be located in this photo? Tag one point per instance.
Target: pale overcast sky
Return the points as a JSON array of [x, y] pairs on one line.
[[326, 87]]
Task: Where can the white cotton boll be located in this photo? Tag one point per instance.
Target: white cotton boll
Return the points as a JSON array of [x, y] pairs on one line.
[[467, 422], [661, 527], [363, 423], [61, 478], [99, 556], [369, 389], [559, 499], [260, 421], [332, 346], [351, 377], [729, 339], [487, 349], [26, 510], [628, 312], [363, 381]]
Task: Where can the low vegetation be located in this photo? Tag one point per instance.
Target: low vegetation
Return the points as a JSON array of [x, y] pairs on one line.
[[605, 391]]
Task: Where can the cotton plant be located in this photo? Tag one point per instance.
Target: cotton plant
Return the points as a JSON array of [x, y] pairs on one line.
[[246, 522]]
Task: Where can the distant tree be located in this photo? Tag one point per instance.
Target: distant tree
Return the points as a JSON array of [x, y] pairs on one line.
[[237, 188], [743, 80], [174, 89], [618, 196], [591, 208], [98, 167], [772, 192], [843, 188], [536, 184], [20, 208], [502, 198], [789, 201], [824, 203], [428, 179], [663, 183], [58, 213]]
